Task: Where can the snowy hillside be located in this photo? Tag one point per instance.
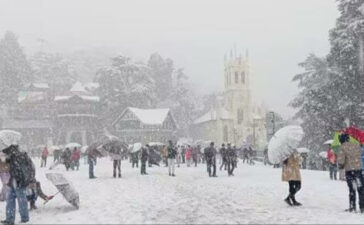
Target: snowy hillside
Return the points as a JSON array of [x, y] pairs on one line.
[[254, 195]]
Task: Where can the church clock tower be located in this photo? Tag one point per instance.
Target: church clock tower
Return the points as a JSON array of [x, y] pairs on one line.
[[237, 96]]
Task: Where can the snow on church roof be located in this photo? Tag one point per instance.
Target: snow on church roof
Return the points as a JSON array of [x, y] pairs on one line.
[[150, 116], [78, 87], [211, 115], [84, 97]]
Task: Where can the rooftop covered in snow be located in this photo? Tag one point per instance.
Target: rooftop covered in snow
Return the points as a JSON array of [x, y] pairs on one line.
[[148, 116], [212, 116]]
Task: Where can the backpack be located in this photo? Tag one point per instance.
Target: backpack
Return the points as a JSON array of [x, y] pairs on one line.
[[27, 169]]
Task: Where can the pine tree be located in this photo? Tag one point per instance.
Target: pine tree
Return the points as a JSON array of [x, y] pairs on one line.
[[15, 70]]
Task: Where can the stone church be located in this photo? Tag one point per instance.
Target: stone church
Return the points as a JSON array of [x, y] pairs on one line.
[[235, 118]]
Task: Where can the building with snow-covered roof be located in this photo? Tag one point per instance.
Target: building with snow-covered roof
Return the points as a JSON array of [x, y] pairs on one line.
[[234, 118], [77, 116], [145, 125]]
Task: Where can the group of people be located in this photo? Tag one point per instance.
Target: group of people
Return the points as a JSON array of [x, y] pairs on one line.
[[173, 155], [17, 173], [71, 159], [349, 159]]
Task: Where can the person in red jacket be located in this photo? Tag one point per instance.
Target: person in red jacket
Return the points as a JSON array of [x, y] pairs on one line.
[[44, 157], [331, 157], [188, 155], [76, 155]]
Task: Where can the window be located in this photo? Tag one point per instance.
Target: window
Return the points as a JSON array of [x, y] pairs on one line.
[[229, 77], [225, 134], [242, 77], [236, 77], [240, 116]]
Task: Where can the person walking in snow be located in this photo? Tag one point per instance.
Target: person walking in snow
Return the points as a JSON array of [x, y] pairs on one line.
[[44, 157], [179, 155], [76, 155], [91, 159], [22, 173], [331, 157], [291, 174], [223, 157], [144, 158], [210, 156], [194, 153], [231, 159], [66, 157], [172, 153], [188, 155], [134, 159], [245, 155], [165, 154], [183, 154], [349, 158]]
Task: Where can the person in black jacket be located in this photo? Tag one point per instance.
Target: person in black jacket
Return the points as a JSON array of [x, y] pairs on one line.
[[223, 157], [231, 157], [22, 173], [210, 156], [144, 158], [66, 157], [172, 152]]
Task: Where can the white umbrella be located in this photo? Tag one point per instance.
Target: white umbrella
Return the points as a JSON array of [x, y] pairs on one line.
[[84, 149], [9, 137], [328, 142], [303, 150], [136, 147], [323, 154], [284, 142], [73, 145]]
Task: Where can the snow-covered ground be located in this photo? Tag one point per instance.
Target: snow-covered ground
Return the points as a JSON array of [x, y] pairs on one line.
[[254, 195]]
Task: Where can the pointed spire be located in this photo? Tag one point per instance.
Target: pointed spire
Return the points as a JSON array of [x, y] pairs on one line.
[[231, 53], [247, 54]]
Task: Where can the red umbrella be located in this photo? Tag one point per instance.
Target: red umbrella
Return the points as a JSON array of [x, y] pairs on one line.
[[355, 133]]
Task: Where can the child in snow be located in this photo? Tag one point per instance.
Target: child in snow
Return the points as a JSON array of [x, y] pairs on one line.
[[33, 191]]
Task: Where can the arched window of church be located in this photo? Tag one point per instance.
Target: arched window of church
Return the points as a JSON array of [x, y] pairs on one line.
[[242, 77], [225, 134], [236, 77], [240, 116]]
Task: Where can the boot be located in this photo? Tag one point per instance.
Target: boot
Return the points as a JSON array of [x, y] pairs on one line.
[[295, 203], [5, 222], [288, 201]]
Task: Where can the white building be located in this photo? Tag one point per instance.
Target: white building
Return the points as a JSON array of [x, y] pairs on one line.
[[235, 117]]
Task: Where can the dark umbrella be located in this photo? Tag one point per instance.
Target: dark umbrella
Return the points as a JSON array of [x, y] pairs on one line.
[[113, 144], [65, 188], [154, 157]]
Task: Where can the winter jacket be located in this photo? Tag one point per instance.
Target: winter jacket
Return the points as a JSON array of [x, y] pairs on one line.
[[331, 156], [20, 175], [291, 168], [66, 156], [362, 158], [210, 153], [349, 156], [45, 153], [171, 152], [144, 155], [223, 152], [188, 153], [231, 154], [76, 155]]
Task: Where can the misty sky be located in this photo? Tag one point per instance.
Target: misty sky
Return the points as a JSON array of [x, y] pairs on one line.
[[194, 33]]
